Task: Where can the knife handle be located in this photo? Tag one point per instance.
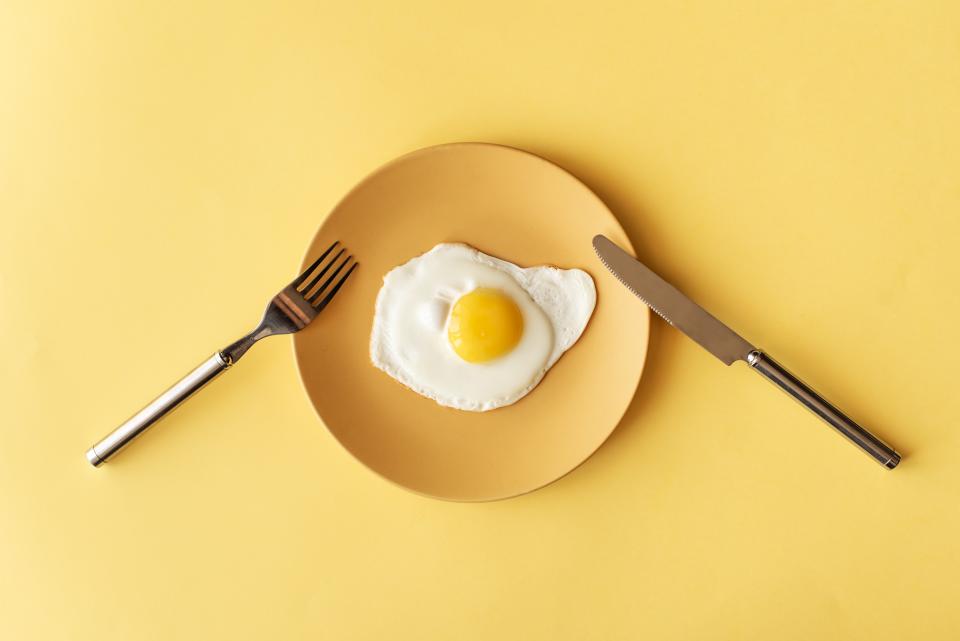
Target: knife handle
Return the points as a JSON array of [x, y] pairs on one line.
[[782, 378]]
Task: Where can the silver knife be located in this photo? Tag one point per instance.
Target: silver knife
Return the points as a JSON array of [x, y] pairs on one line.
[[724, 343]]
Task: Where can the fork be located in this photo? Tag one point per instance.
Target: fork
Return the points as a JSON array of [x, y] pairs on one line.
[[292, 309]]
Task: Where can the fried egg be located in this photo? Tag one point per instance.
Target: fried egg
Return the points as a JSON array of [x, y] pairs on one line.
[[474, 332]]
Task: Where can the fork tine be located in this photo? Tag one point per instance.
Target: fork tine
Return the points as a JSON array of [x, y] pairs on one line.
[[302, 277], [336, 288], [313, 297], [306, 290]]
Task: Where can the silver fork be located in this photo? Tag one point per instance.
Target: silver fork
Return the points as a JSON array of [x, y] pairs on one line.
[[292, 309]]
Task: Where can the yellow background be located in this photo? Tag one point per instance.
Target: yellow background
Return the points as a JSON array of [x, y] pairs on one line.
[[793, 165]]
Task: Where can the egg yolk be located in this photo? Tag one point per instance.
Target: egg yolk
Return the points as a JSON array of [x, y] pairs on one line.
[[484, 324]]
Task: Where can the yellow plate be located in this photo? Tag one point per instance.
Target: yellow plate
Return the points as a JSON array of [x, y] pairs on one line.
[[510, 204]]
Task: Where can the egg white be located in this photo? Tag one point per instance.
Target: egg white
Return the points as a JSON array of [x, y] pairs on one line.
[[409, 337]]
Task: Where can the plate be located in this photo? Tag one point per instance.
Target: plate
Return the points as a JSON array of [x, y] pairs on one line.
[[510, 204]]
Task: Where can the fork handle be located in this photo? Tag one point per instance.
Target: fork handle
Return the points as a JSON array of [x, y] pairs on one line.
[[160, 407]]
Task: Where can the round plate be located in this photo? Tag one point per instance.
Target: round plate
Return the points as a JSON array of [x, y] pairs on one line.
[[518, 207]]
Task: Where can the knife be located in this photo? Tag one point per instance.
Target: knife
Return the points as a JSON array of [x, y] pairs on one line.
[[724, 343]]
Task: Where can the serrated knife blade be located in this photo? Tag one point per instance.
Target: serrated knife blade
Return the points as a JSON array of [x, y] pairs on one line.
[[671, 304], [724, 343]]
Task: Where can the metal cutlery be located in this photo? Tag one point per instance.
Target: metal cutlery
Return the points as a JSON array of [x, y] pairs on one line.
[[721, 341], [292, 309]]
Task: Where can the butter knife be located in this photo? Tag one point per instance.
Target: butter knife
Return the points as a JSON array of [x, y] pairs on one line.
[[724, 343]]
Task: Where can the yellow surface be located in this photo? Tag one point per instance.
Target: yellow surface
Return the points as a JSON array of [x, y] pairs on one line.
[[793, 165]]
